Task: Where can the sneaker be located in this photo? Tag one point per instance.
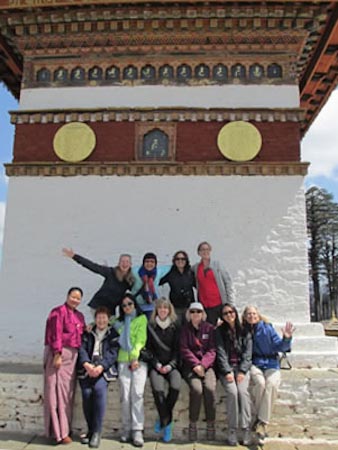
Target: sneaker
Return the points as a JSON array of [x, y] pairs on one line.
[[246, 437], [138, 438], [232, 437], [157, 427], [261, 432], [125, 437], [168, 432], [192, 432]]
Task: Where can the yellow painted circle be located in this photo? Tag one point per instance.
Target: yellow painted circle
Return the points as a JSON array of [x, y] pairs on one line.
[[239, 141], [74, 142]]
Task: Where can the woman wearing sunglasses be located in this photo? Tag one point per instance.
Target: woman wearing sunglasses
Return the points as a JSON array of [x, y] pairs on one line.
[[181, 281], [198, 354], [132, 327], [234, 354]]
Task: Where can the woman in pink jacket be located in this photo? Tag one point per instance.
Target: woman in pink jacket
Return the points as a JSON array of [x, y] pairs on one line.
[[64, 329]]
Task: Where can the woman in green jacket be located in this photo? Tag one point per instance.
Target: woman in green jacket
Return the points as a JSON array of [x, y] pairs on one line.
[[132, 327]]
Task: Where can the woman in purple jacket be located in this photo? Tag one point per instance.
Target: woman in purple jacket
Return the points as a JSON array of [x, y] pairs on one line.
[[198, 354]]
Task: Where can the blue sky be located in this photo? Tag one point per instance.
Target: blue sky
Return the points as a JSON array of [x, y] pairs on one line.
[[319, 147]]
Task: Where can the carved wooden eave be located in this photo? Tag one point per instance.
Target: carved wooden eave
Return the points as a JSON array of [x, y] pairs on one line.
[[40, 30], [157, 168], [157, 115]]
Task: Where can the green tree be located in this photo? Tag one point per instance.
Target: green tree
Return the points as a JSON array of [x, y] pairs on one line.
[[322, 227]]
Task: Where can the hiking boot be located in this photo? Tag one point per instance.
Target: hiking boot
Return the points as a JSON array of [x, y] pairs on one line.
[[192, 432], [211, 431]]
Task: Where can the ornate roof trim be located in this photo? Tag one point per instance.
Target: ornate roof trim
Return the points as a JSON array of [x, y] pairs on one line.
[[157, 168], [157, 115]]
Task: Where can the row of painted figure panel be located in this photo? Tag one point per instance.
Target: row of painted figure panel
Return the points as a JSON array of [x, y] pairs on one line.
[[183, 73]]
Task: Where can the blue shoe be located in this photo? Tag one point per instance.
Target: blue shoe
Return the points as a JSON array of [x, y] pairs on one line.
[[168, 432], [157, 427]]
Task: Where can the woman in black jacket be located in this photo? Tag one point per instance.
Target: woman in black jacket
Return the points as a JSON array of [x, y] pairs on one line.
[[117, 280], [181, 280], [96, 367], [162, 342], [234, 356]]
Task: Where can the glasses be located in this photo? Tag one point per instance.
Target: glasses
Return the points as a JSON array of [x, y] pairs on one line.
[[180, 259], [228, 313], [126, 305], [195, 311], [205, 249]]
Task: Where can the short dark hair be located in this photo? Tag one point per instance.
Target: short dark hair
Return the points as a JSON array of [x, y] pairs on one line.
[[149, 255], [102, 310], [75, 288]]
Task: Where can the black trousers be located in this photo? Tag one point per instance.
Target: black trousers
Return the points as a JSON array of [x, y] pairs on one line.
[[165, 402]]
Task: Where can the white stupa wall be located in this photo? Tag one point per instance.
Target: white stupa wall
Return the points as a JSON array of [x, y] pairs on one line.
[[256, 226]]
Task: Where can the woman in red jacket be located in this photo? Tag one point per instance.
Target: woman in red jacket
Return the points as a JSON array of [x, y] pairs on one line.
[[198, 353]]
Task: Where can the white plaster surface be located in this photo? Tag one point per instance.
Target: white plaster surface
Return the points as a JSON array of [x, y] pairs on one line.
[[255, 224], [229, 96]]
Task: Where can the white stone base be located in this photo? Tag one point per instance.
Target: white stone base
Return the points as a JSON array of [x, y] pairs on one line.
[[256, 226], [307, 407]]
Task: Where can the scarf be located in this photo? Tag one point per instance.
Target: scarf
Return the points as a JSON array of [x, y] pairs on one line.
[[163, 323], [124, 339], [148, 289]]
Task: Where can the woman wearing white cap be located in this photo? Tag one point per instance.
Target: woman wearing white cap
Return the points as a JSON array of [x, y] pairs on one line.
[[198, 353]]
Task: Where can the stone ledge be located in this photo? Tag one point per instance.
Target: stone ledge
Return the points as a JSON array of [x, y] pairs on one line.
[[307, 407], [157, 168]]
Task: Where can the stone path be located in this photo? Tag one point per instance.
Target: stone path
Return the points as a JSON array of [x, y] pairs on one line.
[[16, 441]]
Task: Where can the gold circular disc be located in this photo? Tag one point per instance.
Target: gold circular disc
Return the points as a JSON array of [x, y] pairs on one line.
[[74, 142], [239, 141]]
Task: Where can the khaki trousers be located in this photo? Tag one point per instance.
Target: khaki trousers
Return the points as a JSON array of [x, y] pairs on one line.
[[264, 387]]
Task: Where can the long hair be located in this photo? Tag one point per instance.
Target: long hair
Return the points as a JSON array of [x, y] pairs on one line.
[[226, 327], [187, 265], [245, 323], [121, 276], [137, 306], [163, 302]]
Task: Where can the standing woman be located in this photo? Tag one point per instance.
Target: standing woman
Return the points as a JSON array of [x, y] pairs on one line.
[[96, 367], [181, 280], [198, 354], [163, 339], [116, 279], [213, 283], [64, 329], [265, 371], [234, 355], [132, 327]]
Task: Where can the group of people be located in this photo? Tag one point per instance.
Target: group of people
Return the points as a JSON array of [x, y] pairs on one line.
[[137, 333]]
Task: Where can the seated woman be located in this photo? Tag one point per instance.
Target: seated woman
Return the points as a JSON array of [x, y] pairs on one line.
[[64, 328], [116, 279], [163, 339], [234, 354], [265, 371], [198, 354], [132, 327], [181, 280], [96, 367]]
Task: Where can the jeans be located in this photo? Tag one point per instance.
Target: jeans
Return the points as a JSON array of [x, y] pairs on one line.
[[94, 400]]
